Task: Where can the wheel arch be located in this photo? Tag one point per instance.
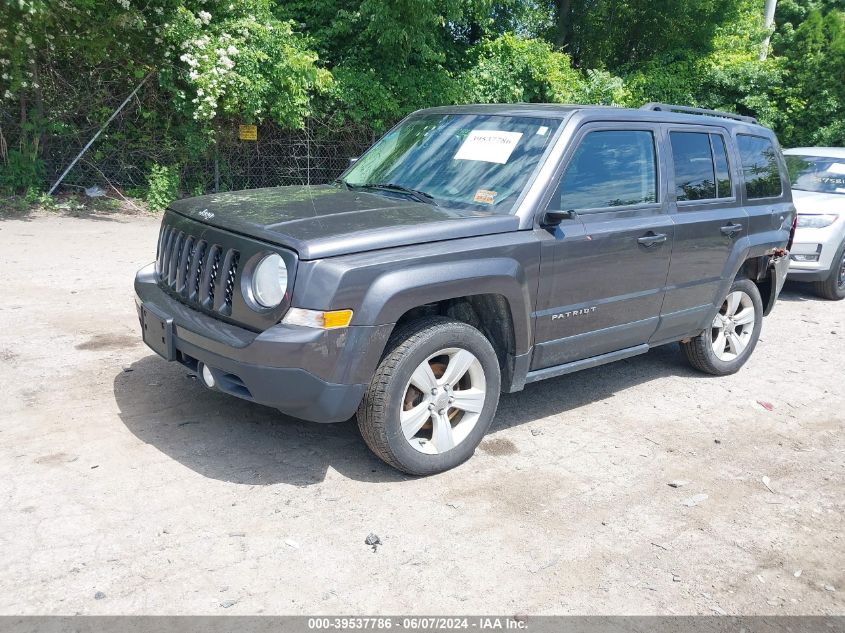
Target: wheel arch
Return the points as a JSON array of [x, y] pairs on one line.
[[498, 285], [498, 304], [759, 270]]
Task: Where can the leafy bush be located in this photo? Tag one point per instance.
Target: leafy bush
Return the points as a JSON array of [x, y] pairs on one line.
[[22, 172], [163, 186], [511, 68]]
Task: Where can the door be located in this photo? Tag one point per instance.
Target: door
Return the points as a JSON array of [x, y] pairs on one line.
[[603, 272], [710, 225]]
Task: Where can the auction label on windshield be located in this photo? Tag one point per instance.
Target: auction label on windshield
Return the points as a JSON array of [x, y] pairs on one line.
[[490, 146]]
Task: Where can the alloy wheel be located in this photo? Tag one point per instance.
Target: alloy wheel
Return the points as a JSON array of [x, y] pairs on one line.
[[443, 401], [733, 326]]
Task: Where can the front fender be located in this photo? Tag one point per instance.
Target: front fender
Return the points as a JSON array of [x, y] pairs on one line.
[[380, 286], [396, 292]]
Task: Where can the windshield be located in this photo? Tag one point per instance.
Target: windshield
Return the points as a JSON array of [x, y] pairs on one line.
[[467, 161], [817, 173]]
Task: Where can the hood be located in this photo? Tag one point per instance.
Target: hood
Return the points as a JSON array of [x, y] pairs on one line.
[[324, 221], [812, 202]]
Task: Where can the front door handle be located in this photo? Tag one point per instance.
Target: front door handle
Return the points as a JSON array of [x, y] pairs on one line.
[[732, 229], [652, 239]]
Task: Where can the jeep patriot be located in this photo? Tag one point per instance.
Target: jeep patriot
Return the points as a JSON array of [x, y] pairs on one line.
[[472, 250]]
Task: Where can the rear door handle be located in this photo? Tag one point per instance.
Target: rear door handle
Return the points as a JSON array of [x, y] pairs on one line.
[[732, 229], [652, 239]]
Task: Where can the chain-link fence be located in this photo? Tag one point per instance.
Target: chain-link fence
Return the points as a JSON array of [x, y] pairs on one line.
[[122, 156], [314, 155]]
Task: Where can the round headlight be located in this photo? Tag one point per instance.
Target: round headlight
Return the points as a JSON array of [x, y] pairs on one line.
[[269, 281]]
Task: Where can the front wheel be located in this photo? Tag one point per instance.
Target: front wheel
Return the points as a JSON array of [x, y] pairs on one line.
[[727, 344], [433, 397], [833, 288]]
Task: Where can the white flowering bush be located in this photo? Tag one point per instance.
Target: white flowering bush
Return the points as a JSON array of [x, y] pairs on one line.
[[242, 62]]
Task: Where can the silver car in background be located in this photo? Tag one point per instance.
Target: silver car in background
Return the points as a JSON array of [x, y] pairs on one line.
[[818, 190]]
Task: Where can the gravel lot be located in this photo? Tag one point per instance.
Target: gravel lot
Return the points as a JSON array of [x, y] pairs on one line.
[[129, 488]]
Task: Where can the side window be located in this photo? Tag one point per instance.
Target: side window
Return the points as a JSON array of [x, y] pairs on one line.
[[723, 170], [611, 168], [760, 166], [693, 160]]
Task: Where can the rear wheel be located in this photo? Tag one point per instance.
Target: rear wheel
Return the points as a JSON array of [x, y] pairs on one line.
[[727, 344], [833, 287], [432, 398]]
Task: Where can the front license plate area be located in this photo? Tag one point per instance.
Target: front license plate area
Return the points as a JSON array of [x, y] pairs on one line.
[[157, 331]]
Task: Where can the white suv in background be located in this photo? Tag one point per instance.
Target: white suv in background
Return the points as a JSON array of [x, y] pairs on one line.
[[818, 190]]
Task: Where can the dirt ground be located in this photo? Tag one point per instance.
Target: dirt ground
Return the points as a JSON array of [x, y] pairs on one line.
[[129, 488]]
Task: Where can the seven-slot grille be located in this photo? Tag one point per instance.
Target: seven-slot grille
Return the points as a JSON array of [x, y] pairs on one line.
[[200, 273]]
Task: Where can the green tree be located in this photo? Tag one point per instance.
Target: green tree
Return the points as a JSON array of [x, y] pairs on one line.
[[619, 34], [511, 68], [813, 100]]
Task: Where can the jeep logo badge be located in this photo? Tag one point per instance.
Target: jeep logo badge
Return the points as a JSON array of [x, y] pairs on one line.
[[205, 214]]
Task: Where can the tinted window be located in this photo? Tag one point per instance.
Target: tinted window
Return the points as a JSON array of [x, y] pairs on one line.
[[693, 160], [759, 166], [723, 171], [610, 169]]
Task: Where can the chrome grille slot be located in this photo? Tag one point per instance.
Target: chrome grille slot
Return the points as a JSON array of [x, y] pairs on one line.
[[231, 274], [173, 261], [195, 277], [213, 266], [184, 265], [165, 254]]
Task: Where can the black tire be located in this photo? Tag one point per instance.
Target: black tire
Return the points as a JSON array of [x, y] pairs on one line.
[[833, 288], [379, 412], [700, 351]]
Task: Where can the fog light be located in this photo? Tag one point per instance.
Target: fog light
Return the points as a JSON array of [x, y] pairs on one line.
[[805, 258], [207, 376]]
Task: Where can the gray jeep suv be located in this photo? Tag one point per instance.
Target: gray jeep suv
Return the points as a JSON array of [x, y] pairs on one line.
[[470, 251]]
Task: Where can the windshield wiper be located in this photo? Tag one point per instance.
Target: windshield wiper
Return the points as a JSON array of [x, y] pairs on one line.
[[418, 195]]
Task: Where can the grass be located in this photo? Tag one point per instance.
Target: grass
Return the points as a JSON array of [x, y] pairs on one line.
[[69, 204]]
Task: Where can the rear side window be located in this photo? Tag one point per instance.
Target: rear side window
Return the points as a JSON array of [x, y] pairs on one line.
[[759, 166], [612, 168], [701, 166], [694, 175]]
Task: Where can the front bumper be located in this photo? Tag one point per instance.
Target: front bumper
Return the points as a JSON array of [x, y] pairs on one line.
[[313, 374], [822, 242]]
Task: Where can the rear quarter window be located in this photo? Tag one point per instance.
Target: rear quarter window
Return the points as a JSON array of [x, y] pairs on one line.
[[759, 167]]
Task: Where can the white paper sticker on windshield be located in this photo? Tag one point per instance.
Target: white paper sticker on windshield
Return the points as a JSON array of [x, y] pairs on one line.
[[490, 146], [837, 168]]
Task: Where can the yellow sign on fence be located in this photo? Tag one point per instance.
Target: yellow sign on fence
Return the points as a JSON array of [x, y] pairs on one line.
[[248, 132]]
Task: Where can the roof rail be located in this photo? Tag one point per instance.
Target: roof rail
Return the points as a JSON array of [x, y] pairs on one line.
[[690, 110]]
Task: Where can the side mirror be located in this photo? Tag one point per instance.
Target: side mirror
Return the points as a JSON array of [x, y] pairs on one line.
[[353, 160], [553, 218]]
